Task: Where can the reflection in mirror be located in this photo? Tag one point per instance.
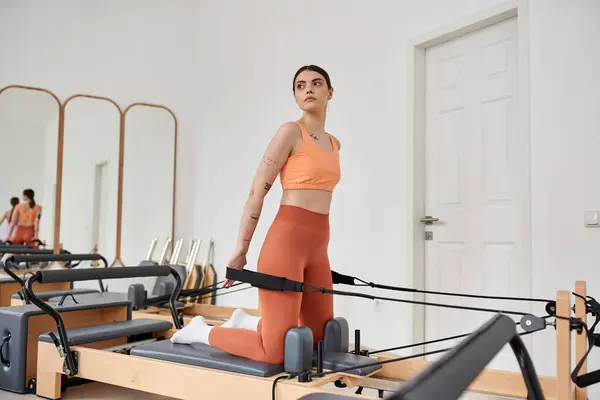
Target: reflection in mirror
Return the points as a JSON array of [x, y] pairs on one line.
[[29, 139], [148, 180], [88, 217]]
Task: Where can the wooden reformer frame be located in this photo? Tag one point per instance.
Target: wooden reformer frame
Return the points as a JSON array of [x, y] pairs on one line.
[[142, 374]]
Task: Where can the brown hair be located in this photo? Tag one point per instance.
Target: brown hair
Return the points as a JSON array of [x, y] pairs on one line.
[[312, 68]]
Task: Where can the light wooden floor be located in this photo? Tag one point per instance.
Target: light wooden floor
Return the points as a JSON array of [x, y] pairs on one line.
[[100, 391], [91, 391]]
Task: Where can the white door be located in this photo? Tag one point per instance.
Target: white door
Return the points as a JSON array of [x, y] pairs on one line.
[[476, 182]]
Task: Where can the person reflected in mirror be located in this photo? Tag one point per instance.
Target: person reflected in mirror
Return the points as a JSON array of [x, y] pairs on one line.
[[8, 217], [26, 220]]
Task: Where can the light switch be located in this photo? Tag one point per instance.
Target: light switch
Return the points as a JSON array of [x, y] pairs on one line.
[[592, 219]]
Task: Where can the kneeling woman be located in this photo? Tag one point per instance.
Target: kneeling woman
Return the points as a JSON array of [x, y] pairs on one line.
[[27, 220], [296, 244]]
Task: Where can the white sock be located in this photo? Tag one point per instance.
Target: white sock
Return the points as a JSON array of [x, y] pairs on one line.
[[239, 319], [196, 331]]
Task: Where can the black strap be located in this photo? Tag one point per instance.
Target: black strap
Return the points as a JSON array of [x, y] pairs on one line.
[[341, 279], [593, 377], [354, 281], [271, 282], [264, 281]]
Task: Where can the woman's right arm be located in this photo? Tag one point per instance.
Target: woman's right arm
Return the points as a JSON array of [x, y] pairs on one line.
[[275, 156], [4, 217]]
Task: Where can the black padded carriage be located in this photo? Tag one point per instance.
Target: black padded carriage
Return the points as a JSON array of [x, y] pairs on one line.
[[298, 350], [201, 355]]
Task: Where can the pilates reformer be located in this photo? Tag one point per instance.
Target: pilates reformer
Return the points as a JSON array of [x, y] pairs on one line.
[[199, 299], [21, 325], [12, 275], [76, 296], [62, 353], [63, 289]]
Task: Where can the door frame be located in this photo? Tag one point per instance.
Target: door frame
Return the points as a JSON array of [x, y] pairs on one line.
[[416, 49]]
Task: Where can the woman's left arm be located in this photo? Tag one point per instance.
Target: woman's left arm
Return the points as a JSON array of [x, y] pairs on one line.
[[36, 223]]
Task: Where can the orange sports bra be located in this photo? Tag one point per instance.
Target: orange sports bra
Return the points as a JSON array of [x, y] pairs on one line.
[[312, 167], [28, 217]]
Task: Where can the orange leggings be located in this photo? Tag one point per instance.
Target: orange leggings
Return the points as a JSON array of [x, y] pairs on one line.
[[296, 248], [24, 235]]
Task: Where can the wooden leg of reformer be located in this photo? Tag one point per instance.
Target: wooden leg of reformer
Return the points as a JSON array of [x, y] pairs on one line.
[[581, 338], [49, 381], [563, 346]]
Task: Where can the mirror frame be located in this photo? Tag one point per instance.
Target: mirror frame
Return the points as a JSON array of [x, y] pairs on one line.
[[119, 168], [175, 137], [59, 150], [59, 162]]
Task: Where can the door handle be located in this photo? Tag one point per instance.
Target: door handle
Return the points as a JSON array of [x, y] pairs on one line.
[[428, 220]]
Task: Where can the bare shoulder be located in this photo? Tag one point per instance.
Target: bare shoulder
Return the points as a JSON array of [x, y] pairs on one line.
[[289, 130], [337, 142], [288, 137]]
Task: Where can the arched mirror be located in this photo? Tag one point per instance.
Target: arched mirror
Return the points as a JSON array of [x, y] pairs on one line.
[[148, 179], [29, 136], [90, 176]]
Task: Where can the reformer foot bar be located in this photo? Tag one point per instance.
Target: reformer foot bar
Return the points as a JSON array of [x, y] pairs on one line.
[[221, 375]]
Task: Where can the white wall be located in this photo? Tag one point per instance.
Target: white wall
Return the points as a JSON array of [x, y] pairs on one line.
[[226, 70], [147, 182], [129, 51], [565, 130]]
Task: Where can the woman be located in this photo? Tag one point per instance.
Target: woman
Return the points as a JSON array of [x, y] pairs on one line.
[[296, 245], [27, 220], [8, 215]]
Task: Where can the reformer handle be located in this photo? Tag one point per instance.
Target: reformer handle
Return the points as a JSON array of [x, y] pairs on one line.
[[88, 274]]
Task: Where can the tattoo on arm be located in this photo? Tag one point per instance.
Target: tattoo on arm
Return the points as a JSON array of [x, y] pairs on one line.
[[269, 162], [268, 186], [254, 217]]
